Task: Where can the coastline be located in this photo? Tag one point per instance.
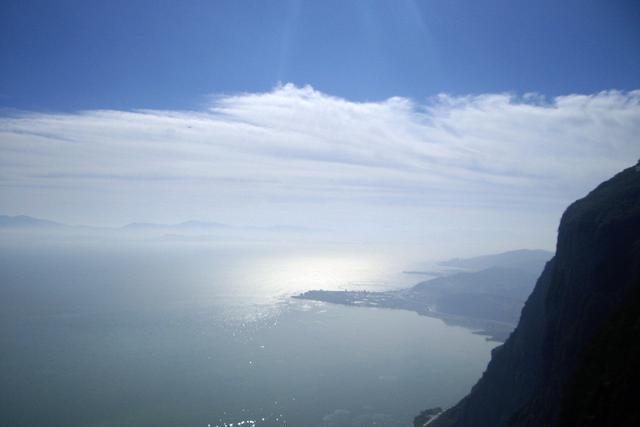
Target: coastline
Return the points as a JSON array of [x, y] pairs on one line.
[[493, 330]]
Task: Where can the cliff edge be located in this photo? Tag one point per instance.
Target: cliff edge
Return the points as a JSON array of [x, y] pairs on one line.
[[574, 357]]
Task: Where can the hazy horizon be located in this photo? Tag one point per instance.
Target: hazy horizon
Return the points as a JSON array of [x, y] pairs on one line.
[[469, 126], [475, 171]]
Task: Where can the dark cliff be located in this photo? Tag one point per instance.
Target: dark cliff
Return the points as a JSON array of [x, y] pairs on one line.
[[574, 356]]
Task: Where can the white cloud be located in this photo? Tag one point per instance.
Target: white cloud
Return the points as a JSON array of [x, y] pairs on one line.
[[296, 151]]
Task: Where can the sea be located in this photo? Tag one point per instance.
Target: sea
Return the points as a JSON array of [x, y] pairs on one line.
[[208, 335]]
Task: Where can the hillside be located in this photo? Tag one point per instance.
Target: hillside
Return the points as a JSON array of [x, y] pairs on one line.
[[493, 294], [532, 260], [487, 301], [573, 356]]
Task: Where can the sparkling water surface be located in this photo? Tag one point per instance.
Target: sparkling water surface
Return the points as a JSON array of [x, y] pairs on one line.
[[199, 336]]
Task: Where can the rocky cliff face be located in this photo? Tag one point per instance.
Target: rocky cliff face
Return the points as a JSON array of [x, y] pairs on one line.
[[551, 367]]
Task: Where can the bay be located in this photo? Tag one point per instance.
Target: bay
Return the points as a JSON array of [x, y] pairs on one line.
[[199, 336]]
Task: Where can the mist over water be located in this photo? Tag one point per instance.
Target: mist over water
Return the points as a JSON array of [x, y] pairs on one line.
[[169, 335]]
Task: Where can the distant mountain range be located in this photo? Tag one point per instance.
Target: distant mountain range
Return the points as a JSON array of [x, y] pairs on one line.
[[524, 259], [27, 222], [181, 225], [23, 221]]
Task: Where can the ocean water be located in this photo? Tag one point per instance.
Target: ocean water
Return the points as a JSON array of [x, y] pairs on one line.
[[206, 336]]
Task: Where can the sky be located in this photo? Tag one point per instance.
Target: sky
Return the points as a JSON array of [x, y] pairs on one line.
[[466, 123]]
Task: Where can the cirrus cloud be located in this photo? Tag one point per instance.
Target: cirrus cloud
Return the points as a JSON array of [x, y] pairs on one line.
[[296, 153]]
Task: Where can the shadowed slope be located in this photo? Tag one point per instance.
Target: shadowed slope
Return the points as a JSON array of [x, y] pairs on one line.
[[586, 283]]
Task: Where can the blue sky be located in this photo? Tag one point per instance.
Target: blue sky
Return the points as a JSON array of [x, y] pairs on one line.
[[460, 127], [72, 55]]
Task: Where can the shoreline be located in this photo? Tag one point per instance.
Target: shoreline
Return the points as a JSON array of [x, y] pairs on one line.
[[493, 330]]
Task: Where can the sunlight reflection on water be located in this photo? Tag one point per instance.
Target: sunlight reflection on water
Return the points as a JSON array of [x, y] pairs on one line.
[[191, 337]]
